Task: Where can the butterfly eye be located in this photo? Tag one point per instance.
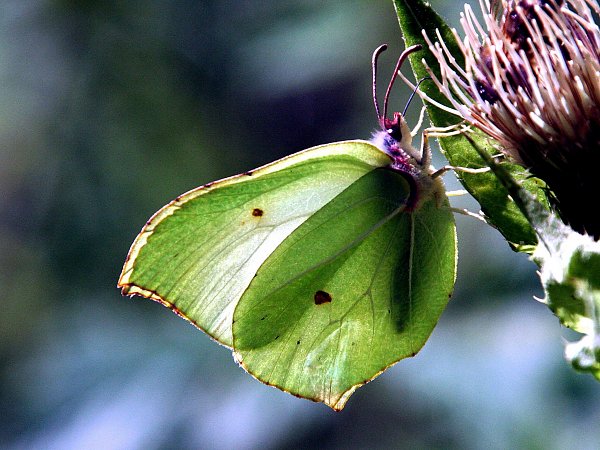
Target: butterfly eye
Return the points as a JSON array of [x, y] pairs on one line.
[[392, 127], [395, 133]]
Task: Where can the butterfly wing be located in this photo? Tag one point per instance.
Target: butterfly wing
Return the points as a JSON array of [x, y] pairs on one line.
[[355, 288], [198, 254]]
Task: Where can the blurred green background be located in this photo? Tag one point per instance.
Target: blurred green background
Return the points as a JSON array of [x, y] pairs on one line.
[[108, 110]]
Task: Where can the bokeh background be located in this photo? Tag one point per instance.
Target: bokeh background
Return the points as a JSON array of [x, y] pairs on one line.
[[108, 110]]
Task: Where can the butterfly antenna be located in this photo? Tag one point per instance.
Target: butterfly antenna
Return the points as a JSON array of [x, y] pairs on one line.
[[413, 94], [403, 56], [376, 53]]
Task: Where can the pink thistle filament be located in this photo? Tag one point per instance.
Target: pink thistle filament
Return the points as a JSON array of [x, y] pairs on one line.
[[531, 81]]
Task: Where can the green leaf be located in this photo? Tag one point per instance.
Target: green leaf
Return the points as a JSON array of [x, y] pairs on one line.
[[414, 17], [318, 269], [363, 286]]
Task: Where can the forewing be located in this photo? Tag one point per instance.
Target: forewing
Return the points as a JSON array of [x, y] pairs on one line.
[[198, 254]]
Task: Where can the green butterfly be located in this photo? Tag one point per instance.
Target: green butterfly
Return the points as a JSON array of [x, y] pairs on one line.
[[319, 270]]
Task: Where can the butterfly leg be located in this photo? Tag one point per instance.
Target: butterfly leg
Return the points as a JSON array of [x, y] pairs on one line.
[[425, 149], [466, 212], [452, 130], [435, 132], [417, 127], [442, 170]]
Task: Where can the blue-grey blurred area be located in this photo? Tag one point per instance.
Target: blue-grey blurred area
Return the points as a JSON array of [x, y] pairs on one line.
[[108, 110]]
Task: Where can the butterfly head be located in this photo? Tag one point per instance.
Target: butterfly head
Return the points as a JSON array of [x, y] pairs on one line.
[[397, 130], [394, 138]]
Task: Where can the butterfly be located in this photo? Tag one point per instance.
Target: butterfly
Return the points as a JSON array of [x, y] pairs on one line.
[[319, 270]]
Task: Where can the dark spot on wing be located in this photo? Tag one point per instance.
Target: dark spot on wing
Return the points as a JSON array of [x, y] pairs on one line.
[[322, 297], [249, 173], [298, 343], [257, 212]]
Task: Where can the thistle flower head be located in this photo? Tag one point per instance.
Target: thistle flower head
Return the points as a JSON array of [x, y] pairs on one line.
[[531, 81]]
